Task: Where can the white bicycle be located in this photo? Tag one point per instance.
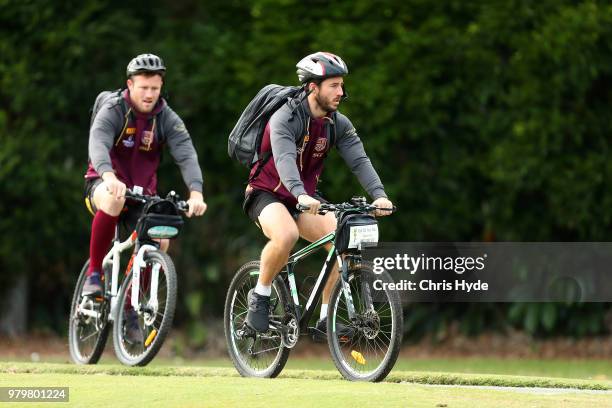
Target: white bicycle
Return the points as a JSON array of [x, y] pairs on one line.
[[147, 293]]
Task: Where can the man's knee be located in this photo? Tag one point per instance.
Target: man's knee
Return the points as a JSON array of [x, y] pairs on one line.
[[330, 223], [279, 227], [285, 239], [314, 227], [164, 244], [104, 201]]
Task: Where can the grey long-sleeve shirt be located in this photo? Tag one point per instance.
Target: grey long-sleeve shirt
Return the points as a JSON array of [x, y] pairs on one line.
[[134, 156], [287, 126]]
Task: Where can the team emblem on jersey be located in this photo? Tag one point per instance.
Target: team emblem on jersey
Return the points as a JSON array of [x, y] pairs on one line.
[[321, 144], [129, 142], [147, 139], [130, 131]]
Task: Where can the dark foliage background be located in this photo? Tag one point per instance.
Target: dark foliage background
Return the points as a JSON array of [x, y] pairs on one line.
[[486, 121]]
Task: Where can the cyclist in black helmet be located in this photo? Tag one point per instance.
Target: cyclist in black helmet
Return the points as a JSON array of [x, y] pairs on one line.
[[125, 143], [298, 136]]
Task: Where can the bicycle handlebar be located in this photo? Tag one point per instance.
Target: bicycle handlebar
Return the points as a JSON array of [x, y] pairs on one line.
[[180, 204], [362, 207]]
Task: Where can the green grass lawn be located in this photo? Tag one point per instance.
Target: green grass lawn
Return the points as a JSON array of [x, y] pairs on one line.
[[424, 377], [102, 390], [580, 369], [575, 368]]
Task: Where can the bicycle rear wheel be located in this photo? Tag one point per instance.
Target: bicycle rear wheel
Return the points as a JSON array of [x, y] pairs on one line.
[[365, 348], [154, 319], [88, 324], [254, 354]]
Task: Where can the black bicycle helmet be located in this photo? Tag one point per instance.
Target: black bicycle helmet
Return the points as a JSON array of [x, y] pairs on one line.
[[320, 65], [146, 63]]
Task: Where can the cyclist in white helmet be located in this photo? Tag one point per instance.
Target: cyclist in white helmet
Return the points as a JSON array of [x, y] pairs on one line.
[[299, 137]]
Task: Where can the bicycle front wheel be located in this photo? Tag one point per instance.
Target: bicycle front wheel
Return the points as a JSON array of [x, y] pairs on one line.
[[88, 324], [364, 347], [139, 333]]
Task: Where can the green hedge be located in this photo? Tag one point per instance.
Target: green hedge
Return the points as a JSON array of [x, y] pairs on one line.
[[486, 121]]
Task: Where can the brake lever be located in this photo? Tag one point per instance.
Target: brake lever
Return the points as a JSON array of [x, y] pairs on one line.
[[130, 195], [182, 206], [301, 207]]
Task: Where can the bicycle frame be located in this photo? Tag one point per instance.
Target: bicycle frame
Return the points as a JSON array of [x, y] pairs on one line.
[[317, 291], [113, 258]]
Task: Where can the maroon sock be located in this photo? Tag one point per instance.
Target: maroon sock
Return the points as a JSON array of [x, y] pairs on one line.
[[102, 233]]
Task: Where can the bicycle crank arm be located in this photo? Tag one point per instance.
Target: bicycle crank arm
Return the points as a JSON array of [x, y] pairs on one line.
[[277, 326], [88, 312]]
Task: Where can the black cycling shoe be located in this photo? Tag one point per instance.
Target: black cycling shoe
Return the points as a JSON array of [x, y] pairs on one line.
[[93, 285], [259, 310], [133, 332], [319, 332]]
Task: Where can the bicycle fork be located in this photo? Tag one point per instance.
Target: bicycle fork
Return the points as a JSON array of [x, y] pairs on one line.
[[364, 287], [139, 264]]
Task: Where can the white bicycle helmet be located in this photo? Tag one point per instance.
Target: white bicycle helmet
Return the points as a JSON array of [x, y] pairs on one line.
[[320, 65], [146, 63]]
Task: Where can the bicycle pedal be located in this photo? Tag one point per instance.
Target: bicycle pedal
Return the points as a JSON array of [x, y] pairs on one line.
[[248, 331]]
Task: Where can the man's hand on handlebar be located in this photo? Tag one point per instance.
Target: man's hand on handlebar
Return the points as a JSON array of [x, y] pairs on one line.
[[385, 207], [115, 187], [196, 203], [307, 201]]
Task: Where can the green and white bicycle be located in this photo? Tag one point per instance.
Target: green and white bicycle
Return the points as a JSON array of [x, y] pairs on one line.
[[364, 328]]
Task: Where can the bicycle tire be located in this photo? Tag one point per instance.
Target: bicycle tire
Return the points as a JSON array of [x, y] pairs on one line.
[[346, 361], [160, 325], [76, 321]]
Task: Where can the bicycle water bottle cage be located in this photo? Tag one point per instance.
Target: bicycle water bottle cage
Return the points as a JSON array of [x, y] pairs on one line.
[[159, 219], [355, 229]]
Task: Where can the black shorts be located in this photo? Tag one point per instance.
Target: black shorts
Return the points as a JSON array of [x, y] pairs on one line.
[[90, 187], [129, 215], [257, 200]]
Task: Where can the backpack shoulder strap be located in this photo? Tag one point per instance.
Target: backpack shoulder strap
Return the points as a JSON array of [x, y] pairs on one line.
[[332, 131], [159, 130], [293, 104]]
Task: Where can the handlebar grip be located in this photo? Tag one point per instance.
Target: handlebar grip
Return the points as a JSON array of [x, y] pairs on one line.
[[301, 207], [392, 210]]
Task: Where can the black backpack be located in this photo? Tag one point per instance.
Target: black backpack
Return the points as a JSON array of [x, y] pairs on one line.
[[101, 99], [245, 139]]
